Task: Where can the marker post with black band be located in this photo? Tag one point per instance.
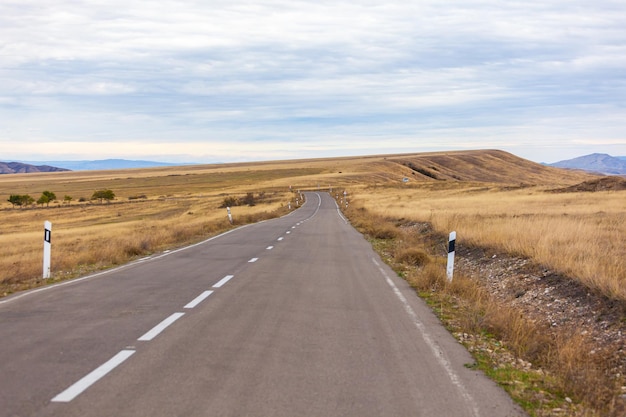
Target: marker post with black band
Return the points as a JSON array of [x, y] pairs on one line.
[[47, 243], [451, 250]]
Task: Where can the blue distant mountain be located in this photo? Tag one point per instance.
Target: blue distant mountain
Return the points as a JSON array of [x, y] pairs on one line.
[[22, 168], [104, 164], [597, 162]]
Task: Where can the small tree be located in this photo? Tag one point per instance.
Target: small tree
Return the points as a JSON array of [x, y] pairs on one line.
[[27, 200], [51, 196], [46, 198], [105, 194], [15, 200], [43, 200], [21, 200], [67, 200]]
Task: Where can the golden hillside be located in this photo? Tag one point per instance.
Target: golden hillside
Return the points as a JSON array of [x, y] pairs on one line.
[[490, 166]]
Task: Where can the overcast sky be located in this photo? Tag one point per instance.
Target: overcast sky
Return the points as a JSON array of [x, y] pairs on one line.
[[231, 80]]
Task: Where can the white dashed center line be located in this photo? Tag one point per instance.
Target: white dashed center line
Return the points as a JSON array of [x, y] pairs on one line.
[[160, 327], [198, 299], [223, 281], [92, 377]]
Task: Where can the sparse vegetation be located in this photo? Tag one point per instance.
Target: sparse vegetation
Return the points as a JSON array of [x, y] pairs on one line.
[[20, 200], [104, 194], [579, 235], [46, 198], [248, 200]]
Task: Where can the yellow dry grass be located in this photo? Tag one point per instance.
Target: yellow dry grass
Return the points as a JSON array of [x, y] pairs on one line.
[[578, 234]]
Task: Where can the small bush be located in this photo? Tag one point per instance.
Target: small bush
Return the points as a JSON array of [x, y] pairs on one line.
[[138, 197], [413, 256], [249, 200], [431, 277], [377, 228], [230, 202]]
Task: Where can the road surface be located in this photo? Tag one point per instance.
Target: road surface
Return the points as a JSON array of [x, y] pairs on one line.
[[295, 316]]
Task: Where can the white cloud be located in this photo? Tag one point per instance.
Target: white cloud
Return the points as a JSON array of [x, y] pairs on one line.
[[185, 76]]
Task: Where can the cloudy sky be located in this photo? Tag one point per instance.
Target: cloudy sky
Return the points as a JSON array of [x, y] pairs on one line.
[[232, 80]]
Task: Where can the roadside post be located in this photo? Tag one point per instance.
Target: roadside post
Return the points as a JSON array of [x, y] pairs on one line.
[[47, 243], [451, 250], [230, 216]]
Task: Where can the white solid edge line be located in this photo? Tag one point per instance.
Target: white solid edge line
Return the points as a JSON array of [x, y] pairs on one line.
[[198, 299], [432, 344], [154, 332], [223, 281], [92, 377]]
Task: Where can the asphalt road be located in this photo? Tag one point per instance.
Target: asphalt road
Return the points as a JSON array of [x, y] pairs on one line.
[[295, 316]]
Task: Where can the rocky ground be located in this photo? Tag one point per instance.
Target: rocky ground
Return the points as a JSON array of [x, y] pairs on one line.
[[559, 302]]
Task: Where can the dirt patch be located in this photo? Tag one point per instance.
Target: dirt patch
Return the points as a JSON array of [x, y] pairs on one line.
[[546, 296], [611, 183]]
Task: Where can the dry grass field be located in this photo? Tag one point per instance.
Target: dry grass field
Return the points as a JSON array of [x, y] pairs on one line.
[[578, 234], [492, 199]]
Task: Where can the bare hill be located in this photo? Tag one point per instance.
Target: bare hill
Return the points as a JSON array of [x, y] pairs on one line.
[[476, 166], [491, 166]]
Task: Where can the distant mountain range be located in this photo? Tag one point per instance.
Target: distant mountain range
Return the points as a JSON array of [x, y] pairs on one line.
[[597, 162], [22, 168], [52, 166]]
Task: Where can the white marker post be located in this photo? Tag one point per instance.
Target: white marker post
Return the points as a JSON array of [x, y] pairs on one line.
[[230, 216], [451, 245], [47, 238]]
